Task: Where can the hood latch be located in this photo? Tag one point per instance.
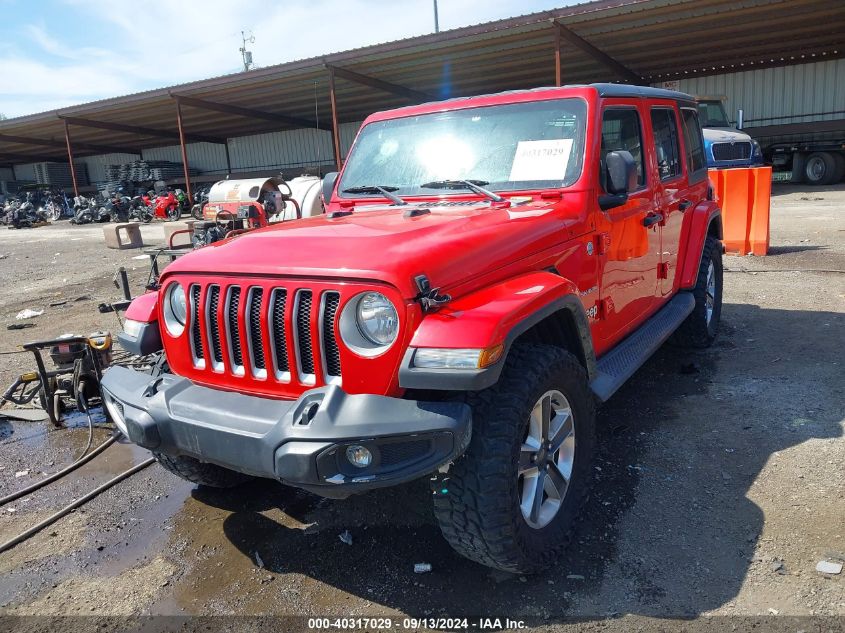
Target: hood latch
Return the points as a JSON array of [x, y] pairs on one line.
[[429, 298]]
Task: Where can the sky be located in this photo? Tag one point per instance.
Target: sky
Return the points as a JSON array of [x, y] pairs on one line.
[[57, 53]]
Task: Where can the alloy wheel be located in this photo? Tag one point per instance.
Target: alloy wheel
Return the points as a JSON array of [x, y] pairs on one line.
[[546, 459]]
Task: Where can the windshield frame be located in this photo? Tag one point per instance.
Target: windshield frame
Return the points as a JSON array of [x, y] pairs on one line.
[[539, 185]]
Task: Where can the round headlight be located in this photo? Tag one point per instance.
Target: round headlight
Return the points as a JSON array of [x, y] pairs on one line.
[[175, 309], [377, 318]]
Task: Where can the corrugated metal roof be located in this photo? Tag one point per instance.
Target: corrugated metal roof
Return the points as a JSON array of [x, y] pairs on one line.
[[656, 39]]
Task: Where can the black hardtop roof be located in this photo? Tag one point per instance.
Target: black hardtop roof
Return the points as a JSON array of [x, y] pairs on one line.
[[604, 90], [644, 92]]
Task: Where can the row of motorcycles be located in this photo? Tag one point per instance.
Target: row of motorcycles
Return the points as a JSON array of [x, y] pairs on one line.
[[30, 208], [168, 205]]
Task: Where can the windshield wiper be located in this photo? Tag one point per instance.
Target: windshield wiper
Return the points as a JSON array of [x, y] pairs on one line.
[[385, 191], [473, 185]]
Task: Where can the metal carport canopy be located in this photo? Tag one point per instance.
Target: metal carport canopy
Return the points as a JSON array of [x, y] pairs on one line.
[[604, 40]]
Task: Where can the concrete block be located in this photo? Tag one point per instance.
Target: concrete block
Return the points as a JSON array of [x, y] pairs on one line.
[[120, 236], [183, 239]]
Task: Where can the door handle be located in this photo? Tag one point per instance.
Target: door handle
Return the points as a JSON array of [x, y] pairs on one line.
[[652, 218], [683, 205]]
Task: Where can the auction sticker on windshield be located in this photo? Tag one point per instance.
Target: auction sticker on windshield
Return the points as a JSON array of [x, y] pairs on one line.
[[541, 160]]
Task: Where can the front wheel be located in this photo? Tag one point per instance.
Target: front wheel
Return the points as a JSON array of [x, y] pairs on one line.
[[511, 502], [54, 212], [196, 212], [201, 473]]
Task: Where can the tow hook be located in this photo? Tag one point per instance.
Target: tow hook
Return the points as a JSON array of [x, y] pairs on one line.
[[429, 298]]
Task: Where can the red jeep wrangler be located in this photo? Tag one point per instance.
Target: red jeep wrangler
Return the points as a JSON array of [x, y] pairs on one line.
[[487, 269]]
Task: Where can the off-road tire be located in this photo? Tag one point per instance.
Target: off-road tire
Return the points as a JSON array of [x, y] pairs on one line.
[[479, 513], [202, 473], [696, 331]]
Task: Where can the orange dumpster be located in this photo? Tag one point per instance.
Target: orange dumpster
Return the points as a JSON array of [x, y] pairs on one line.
[[744, 194]]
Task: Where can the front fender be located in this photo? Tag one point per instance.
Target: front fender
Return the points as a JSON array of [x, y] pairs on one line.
[[495, 315], [141, 335], [144, 308], [696, 226]]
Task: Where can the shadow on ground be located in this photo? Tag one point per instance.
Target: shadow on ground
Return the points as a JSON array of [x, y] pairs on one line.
[[680, 446]]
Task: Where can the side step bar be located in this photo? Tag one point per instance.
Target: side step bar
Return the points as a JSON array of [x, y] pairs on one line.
[[620, 363]]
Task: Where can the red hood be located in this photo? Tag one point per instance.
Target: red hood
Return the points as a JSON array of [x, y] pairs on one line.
[[449, 244]]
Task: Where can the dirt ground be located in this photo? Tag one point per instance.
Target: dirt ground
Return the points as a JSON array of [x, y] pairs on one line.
[[720, 481]]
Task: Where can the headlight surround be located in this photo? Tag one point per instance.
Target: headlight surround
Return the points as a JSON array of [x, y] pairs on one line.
[[369, 324], [757, 151], [175, 309]]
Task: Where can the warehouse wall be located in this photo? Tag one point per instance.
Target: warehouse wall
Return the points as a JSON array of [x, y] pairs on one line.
[[25, 172], [6, 174], [292, 148], [209, 157], [347, 135], [773, 96]]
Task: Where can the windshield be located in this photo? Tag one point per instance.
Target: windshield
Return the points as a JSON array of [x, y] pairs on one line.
[[505, 147], [713, 114]]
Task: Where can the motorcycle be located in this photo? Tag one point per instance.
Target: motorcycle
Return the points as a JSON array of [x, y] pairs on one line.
[[167, 206], [140, 208], [24, 215], [200, 200], [56, 205], [85, 210]]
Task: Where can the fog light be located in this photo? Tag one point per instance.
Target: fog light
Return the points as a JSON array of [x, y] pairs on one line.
[[359, 456]]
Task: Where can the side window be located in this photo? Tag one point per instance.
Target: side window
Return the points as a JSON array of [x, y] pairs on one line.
[[666, 143], [693, 140], [621, 130]]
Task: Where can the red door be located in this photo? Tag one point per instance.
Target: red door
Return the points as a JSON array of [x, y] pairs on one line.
[[629, 235]]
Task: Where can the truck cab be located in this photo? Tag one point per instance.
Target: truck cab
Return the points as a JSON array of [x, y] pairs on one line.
[[487, 271], [725, 146]]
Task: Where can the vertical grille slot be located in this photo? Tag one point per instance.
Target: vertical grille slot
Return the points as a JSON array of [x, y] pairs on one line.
[[256, 344], [331, 352], [214, 327], [302, 327], [196, 335], [278, 302], [232, 330]]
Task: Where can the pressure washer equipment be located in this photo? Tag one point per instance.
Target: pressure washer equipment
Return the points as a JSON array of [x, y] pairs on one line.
[[78, 367]]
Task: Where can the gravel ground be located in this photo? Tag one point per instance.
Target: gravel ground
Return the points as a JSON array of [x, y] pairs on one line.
[[720, 480]]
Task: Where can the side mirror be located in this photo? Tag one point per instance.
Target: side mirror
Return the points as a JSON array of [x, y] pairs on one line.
[[620, 179], [329, 181]]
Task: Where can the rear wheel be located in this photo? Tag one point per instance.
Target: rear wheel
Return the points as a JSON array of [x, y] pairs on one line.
[[173, 213], [840, 166], [202, 473], [512, 500], [821, 168], [701, 326]]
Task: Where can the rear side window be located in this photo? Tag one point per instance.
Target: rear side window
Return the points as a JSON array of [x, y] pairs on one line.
[[693, 140], [621, 130], [666, 142]]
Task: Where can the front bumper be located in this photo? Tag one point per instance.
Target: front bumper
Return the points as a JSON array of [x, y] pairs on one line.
[[301, 443]]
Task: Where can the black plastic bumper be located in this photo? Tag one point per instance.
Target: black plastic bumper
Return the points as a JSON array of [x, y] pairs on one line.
[[302, 443]]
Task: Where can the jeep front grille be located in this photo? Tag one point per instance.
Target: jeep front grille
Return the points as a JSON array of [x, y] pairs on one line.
[[253, 330], [732, 151]]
